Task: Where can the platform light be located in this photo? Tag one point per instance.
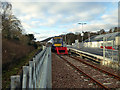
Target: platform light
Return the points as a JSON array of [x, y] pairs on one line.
[[82, 34]]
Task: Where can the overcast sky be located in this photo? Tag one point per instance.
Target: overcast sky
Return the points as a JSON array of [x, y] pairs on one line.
[[45, 19]]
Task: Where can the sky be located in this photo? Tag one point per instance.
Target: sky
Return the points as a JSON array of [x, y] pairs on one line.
[[46, 19]]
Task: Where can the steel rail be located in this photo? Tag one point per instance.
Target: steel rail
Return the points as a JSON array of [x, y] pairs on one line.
[[97, 82], [111, 74]]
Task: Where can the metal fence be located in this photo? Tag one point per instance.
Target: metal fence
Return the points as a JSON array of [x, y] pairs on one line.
[[110, 56], [37, 74]]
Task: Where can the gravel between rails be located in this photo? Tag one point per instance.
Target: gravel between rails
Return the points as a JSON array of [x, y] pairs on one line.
[[103, 78], [114, 71], [64, 76]]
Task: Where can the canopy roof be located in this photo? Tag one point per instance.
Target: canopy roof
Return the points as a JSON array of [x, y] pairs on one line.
[[109, 36]]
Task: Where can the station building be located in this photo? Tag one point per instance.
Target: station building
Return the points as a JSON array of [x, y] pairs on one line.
[[97, 41]]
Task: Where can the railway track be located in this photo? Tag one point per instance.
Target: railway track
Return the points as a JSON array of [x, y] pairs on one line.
[[102, 78], [111, 74]]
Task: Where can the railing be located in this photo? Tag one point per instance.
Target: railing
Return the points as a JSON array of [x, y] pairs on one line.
[[108, 57], [37, 74]]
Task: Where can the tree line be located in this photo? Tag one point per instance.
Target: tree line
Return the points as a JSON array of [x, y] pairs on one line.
[[12, 28], [15, 43], [70, 38]]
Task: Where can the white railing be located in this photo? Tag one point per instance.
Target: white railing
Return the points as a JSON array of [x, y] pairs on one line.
[[37, 74]]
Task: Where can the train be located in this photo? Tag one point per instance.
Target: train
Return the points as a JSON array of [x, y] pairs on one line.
[[57, 45]]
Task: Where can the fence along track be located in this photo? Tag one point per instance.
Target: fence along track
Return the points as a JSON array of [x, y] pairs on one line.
[[37, 74], [98, 83]]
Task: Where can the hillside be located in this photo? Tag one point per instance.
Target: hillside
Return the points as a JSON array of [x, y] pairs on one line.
[[17, 48]]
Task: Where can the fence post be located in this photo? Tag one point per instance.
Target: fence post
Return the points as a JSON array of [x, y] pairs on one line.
[[103, 50], [49, 77], [40, 68], [30, 74], [43, 79], [25, 72], [112, 50], [34, 72], [15, 82], [36, 60], [44, 47], [118, 57]]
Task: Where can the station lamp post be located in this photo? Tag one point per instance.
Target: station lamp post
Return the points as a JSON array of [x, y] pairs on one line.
[[89, 36], [82, 30]]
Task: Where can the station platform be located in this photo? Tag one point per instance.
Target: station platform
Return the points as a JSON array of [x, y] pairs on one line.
[[95, 51], [98, 52], [96, 55]]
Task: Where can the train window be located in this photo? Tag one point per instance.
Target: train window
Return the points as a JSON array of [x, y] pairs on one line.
[[57, 41]]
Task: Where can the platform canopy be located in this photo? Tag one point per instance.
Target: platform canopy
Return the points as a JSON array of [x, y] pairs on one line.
[[109, 36]]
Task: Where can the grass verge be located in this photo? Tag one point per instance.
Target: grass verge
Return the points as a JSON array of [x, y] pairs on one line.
[[16, 69]]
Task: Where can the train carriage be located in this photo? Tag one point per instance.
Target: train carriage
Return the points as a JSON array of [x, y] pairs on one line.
[[57, 45]]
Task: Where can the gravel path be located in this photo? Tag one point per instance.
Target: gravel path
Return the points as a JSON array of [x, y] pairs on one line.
[[64, 76]]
